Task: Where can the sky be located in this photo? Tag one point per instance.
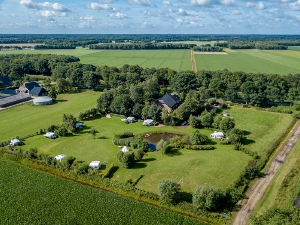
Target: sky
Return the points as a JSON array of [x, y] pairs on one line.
[[149, 17]]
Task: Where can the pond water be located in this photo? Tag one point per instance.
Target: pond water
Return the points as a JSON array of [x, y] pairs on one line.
[[297, 202], [153, 139]]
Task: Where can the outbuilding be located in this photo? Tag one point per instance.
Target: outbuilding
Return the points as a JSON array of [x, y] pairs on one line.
[[43, 101], [95, 165], [217, 134], [148, 122]]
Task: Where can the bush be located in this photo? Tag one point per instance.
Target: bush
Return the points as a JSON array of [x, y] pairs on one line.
[[280, 110], [197, 138], [168, 191], [200, 147]]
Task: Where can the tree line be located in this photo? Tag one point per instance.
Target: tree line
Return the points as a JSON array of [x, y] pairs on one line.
[[129, 46]]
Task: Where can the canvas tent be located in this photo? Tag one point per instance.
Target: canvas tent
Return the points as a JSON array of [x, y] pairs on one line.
[[50, 135], [125, 149], [217, 135], [130, 119], [79, 125], [15, 142], [95, 165], [59, 157], [148, 122]]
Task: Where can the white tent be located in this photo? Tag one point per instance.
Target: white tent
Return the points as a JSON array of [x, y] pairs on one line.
[[217, 135], [95, 165], [15, 142], [59, 157], [125, 149], [50, 135]]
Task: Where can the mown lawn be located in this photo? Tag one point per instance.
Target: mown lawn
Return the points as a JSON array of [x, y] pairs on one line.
[[219, 167], [251, 61], [32, 197]]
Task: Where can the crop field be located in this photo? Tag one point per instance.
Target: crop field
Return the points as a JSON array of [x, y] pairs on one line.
[[32, 197], [294, 48], [252, 61], [173, 59]]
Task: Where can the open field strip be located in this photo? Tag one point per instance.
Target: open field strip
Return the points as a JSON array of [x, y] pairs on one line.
[[294, 48], [274, 62], [273, 197], [176, 59], [32, 197]]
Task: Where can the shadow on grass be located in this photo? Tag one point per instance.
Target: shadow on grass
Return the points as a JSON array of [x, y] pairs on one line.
[[77, 91], [175, 152], [138, 165], [149, 159], [211, 142], [246, 133], [185, 196], [58, 101], [102, 137], [103, 166], [112, 172], [248, 142]]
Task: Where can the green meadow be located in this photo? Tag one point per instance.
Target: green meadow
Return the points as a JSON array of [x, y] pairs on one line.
[[219, 167], [251, 61], [32, 197], [173, 59]]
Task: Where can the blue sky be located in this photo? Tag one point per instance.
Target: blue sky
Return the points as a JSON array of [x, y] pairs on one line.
[[150, 16]]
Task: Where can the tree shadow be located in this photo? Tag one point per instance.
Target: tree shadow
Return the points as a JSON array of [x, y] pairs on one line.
[[185, 196], [103, 166], [113, 171], [84, 130], [102, 137], [79, 90], [58, 101], [175, 152], [248, 142], [211, 142], [149, 159], [138, 165], [246, 133]]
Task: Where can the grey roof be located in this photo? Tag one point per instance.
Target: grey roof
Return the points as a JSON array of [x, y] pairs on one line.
[[38, 91], [5, 81], [170, 99], [14, 99], [31, 85]]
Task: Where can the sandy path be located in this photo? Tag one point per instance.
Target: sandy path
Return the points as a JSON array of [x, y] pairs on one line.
[[259, 188]]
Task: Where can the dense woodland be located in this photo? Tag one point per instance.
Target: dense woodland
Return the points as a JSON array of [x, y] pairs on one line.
[[64, 41]]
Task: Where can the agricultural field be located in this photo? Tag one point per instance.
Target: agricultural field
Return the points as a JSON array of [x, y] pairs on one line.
[[294, 48], [32, 197], [275, 195], [191, 168], [252, 61], [173, 59]]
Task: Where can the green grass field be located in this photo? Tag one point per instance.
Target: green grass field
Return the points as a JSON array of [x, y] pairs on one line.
[[32, 197], [252, 61], [173, 59], [294, 48], [220, 167]]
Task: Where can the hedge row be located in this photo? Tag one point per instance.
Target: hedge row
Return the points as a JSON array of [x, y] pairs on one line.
[[108, 170], [199, 147]]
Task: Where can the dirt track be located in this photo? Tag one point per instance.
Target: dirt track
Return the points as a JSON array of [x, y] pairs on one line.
[[259, 188]]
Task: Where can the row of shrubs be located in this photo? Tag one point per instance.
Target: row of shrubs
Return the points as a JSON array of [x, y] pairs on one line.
[[200, 147], [88, 114], [280, 110]]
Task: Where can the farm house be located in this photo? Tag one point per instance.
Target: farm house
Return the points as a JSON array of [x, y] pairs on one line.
[[217, 134], [95, 165]]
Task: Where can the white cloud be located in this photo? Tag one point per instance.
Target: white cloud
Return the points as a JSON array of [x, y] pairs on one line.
[[51, 13], [106, 1], [165, 2], [179, 20], [88, 18], [98, 6], [182, 12], [141, 2], [235, 12], [44, 6], [118, 15], [295, 5], [258, 6], [227, 2], [202, 2], [13, 15], [147, 24]]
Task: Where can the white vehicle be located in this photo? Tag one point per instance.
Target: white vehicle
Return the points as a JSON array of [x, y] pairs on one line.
[[95, 165]]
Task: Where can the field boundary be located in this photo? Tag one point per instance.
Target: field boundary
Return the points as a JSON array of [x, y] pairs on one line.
[[194, 65], [260, 186]]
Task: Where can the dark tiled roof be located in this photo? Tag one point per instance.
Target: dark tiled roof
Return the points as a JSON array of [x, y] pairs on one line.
[[38, 91], [8, 92], [5, 81], [31, 85], [170, 99], [21, 97]]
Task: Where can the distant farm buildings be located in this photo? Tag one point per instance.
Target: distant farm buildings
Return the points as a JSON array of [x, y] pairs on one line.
[[33, 88], [169, 101]]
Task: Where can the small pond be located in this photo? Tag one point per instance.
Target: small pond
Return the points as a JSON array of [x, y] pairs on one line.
[[297, 202], [153, 139]]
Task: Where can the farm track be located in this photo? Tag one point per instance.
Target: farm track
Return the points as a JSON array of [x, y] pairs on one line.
[[259, 188]]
